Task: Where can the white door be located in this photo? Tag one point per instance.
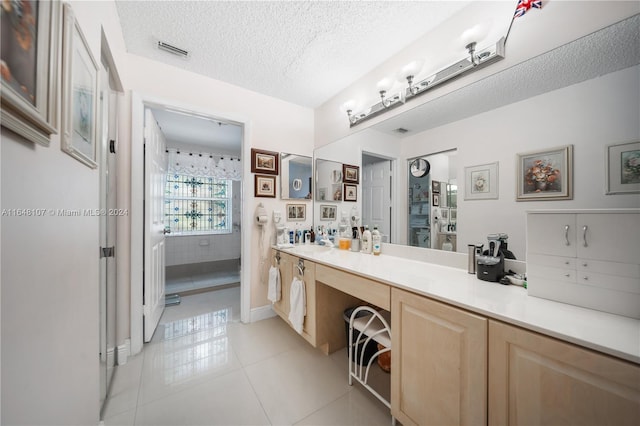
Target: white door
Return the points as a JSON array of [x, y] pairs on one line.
[[155, 168], [376, 197]]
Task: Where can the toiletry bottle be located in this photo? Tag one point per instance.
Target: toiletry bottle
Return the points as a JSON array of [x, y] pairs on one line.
[[376, 241], [366, 240], [313, 236]]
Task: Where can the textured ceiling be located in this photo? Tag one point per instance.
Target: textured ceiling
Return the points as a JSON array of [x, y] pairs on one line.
[[303, 52]]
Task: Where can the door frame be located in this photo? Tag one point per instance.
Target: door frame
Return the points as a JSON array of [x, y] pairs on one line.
[[395, 227], [138, 103]]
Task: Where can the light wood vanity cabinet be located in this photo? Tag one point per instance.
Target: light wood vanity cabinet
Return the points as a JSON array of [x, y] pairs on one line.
[[538, 380], [438, 362]]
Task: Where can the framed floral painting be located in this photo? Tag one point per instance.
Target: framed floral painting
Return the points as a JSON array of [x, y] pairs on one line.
[[545, 175], [481, 182], [29, 63], [623, 168], [264, 186]]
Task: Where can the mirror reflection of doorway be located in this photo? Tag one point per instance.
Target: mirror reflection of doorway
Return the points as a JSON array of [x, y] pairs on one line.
[[376, 194]]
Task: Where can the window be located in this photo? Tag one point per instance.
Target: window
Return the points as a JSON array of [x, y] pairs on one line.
[[197, 205]]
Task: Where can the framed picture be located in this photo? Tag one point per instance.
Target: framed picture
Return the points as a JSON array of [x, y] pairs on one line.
[[337, 192], [265, 186], [350, 192], [29, 66], [545, 175], [79, 94], [296, 211], [350, 174], [328, 212], [322, 194], [623, 168], [481, 182], [444, 213], [264, 162], [435, 186], [435, 202]]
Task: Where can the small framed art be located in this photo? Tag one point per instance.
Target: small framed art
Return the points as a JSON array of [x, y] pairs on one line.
[[266, 162], [296, 212], [328, 212], [435, 186], [350, 174], [545, 175], [435, 201], [481, 182], [350, 192], [265, 186], [623, 168]]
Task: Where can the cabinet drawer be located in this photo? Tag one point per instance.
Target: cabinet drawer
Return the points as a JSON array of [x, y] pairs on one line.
[[598, 298], [629, 270], [554, 274], [552, 261], [370, 291], [611, 282]]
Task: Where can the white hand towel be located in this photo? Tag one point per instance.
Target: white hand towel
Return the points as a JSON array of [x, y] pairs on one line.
[[298, 301], [274, 291]]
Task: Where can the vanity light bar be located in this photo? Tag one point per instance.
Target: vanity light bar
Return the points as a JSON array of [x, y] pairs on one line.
[[484, 57]]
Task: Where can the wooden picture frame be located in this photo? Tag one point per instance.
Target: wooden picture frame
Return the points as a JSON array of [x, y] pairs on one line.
[[80, 94], [296, 212], [623, 168], [264, 186], [435, 186], [29, 70], [350, 192], [481, 182], [266, 162], [350, 174], [545, 175], [328, 211], [435, 202]]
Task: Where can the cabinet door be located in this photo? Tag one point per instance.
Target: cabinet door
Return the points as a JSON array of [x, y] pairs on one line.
[[551, 234], [537, 380], [612, 237], [439, 363]]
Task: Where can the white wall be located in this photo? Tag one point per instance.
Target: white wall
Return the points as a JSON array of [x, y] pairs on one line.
[[50, 277], [588, 115]]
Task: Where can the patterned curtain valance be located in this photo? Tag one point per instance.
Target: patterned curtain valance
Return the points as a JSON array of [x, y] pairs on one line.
[[204, 164]]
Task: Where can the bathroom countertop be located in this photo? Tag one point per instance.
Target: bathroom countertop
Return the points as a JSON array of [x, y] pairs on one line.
[[608, 333]]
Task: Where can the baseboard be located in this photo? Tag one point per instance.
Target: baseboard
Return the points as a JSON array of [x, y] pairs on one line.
[[124, 350], [262, 313]]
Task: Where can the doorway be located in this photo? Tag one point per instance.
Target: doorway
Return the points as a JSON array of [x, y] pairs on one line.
[[377, 176], [178, 243]]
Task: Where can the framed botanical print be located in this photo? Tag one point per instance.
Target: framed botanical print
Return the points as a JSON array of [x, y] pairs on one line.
[[350, 192], [350, 174], [623, 168], [328, 212], [264, 186], [79, 94], [29, 63], [296, 212], [481, 182], [266, 162], [435, 201], [545, 175]]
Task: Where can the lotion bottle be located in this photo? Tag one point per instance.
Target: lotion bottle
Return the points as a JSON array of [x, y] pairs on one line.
[[376, 240], [366, 240]]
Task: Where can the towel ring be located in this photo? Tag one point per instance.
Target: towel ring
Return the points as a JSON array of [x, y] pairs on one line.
[[277, 257], [301, 267]]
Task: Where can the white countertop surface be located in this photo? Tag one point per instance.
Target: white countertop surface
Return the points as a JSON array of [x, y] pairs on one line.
[[611, 334]]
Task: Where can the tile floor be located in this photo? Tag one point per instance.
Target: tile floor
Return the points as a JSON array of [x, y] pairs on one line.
[[204, 367], [198, 281]]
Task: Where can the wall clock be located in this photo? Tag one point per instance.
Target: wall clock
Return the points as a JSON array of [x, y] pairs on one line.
[[420, 167]]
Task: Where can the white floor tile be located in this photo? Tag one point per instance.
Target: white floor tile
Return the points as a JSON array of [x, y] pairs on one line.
[[357, 407], [123, 394], [225, 400], [296, 383], [123, 419]]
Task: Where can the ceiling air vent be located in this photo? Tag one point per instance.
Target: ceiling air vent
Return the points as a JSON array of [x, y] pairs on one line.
[[173, 49], [401, 130]]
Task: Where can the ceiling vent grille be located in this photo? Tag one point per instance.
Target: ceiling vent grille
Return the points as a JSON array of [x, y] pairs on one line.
[[173, 49]]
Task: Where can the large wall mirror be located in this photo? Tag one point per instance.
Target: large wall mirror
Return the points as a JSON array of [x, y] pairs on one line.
[[295, 177], [483, 127]]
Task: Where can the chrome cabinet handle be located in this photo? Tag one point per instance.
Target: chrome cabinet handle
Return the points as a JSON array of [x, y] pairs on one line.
[[566, 235], [584, 236], [166, 231]]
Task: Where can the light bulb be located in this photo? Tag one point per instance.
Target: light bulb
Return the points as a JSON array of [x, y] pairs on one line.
[[384, 85], [350, 105], [476, 34], [411, 69]]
